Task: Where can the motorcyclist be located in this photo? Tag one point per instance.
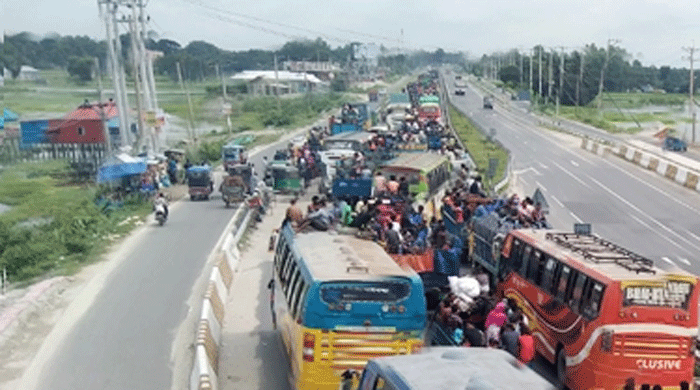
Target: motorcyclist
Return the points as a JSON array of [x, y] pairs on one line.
[[161, 200]]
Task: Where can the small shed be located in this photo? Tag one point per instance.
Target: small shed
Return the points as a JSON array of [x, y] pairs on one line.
[[83, 125], [28, 73]]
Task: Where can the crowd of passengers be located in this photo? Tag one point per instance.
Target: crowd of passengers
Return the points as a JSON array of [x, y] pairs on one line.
[[389, 217], [467, 199], [486, 323]]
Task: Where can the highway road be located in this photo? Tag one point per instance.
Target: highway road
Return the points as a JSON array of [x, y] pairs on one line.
[[122, 330], [625, 203]]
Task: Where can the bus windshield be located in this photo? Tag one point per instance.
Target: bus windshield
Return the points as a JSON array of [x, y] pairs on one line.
[[672, 293], [384, 291]]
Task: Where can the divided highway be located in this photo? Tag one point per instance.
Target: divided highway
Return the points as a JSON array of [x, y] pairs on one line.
[[626, 204]]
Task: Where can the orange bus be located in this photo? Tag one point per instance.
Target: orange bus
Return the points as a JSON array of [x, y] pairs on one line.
[[604, 315]]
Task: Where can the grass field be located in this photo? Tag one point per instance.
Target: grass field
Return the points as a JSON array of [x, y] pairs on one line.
[[53, 226], [479, 147]]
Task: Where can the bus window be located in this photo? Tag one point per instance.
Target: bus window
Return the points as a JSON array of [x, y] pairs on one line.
[[525, 260], [590, 302], [298, 300], [287, 275], [284, 259], [548, 274], [282, 249], [381, 384], [293, 286], [516, 255], [578, 292], [535, 267], [563, 281]]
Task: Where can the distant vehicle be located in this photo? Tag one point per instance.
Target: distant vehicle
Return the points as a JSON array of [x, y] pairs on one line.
[[459, 92], [232, 154], [488, 102], [451, 368], [675, 144], [458, 77], [199, 182]]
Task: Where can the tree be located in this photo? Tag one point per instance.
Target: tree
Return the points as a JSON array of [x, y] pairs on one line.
[[509, 74], [81, 67]]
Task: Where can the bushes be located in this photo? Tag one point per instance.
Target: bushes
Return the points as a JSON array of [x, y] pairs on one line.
[[51, 227]]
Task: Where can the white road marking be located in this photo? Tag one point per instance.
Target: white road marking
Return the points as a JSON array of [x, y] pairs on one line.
[[652, 219], [575, 217], [666, 259], [558, 202], [683, 260], [542, 165], [574, 163], [695, 236], [674, 243], [653, 187], [572, 175], [541, 186], [521, 171]]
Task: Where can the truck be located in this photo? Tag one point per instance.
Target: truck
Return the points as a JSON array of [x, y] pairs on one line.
[[355, 123]]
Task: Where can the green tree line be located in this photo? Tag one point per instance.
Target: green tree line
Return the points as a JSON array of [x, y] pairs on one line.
[[198, 59], [582, 71]]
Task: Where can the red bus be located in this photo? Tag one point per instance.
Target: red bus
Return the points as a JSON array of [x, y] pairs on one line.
[[605, 316]]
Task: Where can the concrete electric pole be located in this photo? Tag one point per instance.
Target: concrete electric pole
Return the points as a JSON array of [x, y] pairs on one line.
[[691, 89], [603, 69]]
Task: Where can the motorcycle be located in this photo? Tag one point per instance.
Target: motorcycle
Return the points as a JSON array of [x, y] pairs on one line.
[[160, 214]]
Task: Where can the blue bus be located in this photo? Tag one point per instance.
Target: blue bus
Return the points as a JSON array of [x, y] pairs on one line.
[[339, 301]]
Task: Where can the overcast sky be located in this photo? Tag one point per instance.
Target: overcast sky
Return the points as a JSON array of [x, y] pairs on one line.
[[653, 31]]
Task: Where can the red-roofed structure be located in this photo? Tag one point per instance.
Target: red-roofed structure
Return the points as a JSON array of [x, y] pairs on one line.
[[83, 125]]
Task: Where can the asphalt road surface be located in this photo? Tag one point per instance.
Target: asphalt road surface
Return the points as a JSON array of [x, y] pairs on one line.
[[122, 331], [625, 203]]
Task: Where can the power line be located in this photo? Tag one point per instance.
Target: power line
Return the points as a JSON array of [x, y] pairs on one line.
[[279, 24]]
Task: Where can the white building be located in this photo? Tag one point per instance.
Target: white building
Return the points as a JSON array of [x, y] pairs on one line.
[[264, 82], [27, 73]]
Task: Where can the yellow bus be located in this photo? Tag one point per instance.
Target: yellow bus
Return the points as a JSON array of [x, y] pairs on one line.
[[339, 301]]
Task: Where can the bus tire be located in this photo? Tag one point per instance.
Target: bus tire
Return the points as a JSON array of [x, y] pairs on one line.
[[561, 365]]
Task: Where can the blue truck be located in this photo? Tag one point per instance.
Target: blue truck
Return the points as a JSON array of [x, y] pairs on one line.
[[354, 124]]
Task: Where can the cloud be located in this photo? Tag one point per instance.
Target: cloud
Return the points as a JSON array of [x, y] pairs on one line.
[[650, 27]]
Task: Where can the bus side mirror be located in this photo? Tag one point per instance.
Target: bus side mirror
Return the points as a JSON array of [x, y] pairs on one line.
[[271, 284]]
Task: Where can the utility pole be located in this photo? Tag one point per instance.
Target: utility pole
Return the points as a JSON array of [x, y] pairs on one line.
[[108, 10], [579, 82], [550, 79], [561, 78], [602, 71], [190, 124], [539, 70], [277, 84], [521, 68], [137, 83], [691, 89], [532, 92], [101, 106]]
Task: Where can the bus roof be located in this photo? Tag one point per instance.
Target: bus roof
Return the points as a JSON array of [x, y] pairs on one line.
[[611, 261], [416, 161], [460, 368], [352, 136], [329, 257]]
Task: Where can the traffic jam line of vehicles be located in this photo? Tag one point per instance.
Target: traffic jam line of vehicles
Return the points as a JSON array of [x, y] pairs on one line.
[[412, 253]]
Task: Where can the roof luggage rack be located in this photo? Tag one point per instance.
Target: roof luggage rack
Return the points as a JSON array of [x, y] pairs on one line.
[[599, 250]]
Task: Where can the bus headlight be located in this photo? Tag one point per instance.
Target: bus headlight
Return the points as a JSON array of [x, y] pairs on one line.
[[385, 308]]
